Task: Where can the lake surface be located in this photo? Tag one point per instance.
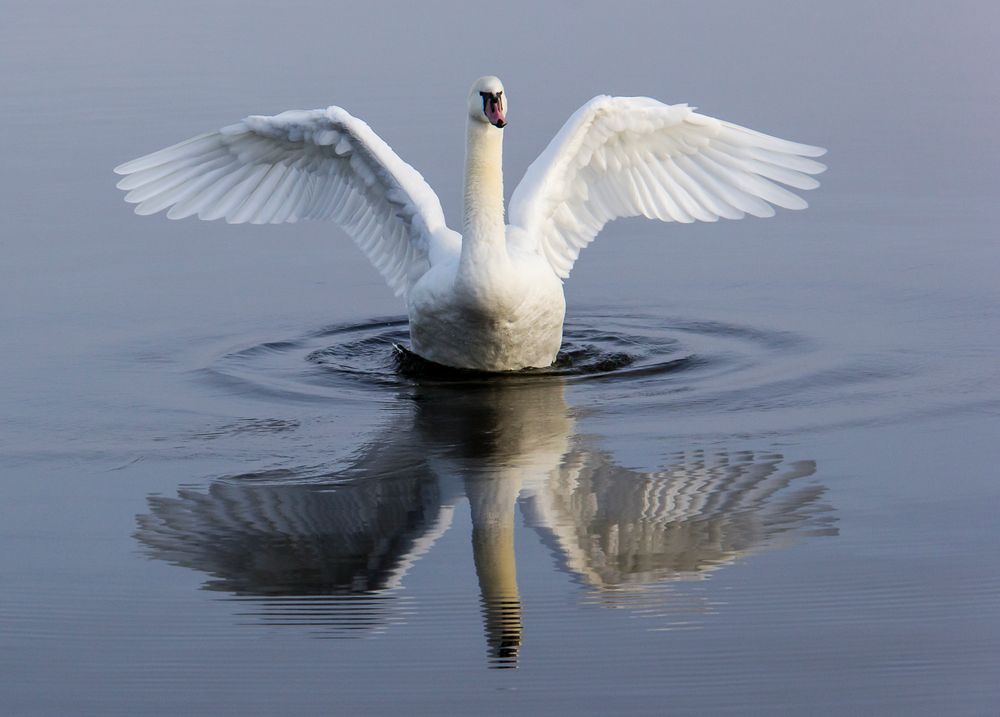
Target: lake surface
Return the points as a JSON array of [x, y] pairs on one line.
[[762, 480]]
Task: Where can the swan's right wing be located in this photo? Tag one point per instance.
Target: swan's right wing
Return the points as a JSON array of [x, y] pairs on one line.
[[302, 164], [631, 156]]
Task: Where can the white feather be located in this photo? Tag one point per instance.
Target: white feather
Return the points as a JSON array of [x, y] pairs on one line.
[[296, 165], [636, 156]]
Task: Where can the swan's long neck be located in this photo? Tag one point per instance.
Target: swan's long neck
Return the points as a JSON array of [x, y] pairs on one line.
[[483, 222]]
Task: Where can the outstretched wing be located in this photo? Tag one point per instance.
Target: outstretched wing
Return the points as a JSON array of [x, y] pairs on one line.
[[301, 164], [631, 156]]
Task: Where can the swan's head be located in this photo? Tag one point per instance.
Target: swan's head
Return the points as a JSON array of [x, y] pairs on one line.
[[487, 102]]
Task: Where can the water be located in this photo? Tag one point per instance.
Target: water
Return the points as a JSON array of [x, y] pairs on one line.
[[760, 479]]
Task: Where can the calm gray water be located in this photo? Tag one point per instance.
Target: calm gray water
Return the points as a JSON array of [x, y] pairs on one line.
[[765, 482]]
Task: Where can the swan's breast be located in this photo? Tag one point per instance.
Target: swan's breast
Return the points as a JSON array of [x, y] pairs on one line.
[[491, 321]]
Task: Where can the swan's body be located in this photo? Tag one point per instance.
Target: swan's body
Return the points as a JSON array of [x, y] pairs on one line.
[[491, 298]]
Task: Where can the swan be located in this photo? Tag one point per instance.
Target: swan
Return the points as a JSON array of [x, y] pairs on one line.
[[490, 298]]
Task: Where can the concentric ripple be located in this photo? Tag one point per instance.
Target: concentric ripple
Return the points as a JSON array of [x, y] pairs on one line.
[[587, 351], [694, 366]]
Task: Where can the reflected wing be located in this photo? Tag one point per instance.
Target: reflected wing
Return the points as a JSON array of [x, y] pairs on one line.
[[631, 156], [614, 527], [281, 538], [302, 164]]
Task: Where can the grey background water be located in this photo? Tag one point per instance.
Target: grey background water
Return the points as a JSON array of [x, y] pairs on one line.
[[220, 496]]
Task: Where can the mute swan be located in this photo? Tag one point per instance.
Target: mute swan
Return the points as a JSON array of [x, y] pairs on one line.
[[491, 298]]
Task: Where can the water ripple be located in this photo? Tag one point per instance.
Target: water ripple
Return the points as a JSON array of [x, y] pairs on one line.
[[595, 347], [687, 366]]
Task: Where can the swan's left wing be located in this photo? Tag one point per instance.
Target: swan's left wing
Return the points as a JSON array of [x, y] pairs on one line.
[[301, 164], [632, 156]]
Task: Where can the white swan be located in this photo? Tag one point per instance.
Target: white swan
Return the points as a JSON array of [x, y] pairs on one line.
[[491, 298]]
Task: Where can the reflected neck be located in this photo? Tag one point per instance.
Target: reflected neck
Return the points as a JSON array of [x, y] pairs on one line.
[[492, 502], [483, 220]]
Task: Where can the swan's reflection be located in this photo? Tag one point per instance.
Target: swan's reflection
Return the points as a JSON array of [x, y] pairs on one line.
[[329, 551]]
